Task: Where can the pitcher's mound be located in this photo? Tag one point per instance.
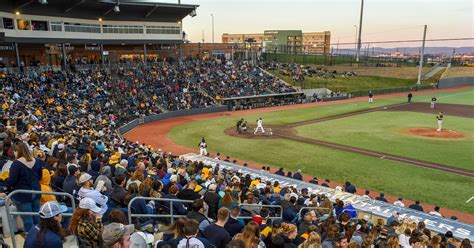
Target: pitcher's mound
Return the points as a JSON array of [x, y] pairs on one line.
[[432, 133]]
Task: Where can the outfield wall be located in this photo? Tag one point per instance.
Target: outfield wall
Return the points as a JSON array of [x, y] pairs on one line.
[[151, 118], [373, 207], [456, 81]]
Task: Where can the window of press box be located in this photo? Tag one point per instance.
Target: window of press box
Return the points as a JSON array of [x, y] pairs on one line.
[[39, 25], [8, 23], [24, 24]]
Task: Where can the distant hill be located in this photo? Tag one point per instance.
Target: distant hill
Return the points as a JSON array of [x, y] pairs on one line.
[[415, 50]]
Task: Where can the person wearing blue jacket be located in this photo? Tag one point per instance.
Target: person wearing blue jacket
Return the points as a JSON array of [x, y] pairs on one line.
[[25, 173], [49, 232]]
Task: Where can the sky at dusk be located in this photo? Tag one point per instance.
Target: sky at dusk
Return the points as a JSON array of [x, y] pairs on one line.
[[383, 19]]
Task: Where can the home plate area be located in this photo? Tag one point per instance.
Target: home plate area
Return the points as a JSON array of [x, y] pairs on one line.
[[268, 131]]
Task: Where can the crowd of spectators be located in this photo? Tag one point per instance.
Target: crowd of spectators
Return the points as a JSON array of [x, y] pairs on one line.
[[57, 134]]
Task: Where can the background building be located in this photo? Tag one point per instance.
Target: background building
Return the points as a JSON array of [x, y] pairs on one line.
[[285, 41]]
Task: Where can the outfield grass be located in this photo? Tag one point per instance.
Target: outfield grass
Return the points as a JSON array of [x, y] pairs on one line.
[[460, 97], [386, 132], [391, 177]]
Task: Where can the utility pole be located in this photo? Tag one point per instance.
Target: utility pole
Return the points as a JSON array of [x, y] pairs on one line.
[[422, 55], [355, 42], [452, 58], [212, 15], [360, 30], [202, 36]]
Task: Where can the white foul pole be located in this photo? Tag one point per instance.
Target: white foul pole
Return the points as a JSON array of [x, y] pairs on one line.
[[422, 55]]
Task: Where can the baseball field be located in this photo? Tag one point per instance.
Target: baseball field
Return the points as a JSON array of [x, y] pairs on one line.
[[377, 146]]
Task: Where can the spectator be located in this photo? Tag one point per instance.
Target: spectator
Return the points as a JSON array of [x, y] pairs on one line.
[[436, 212], [228, 200], [236, 244], [366, 194], [137, 178], [59, 176], [70, 183], [314, 180], [280, 172], [188, 193], [175, 230], [233, 225], [326, 183], [86, 222], [298, 175], [45, 182], [212, 200], [381, 197], [178, 207], [105, 175], [198, 208], [313, 240], [86, 191], [349, 188], [416, 206], [117, 235], [119, 192], [331, 238], [26, 173], [308, 220], [191, 229], [118, 216], [287, 236], [251, 235], [49, 232], [216, 233], [399, 202]]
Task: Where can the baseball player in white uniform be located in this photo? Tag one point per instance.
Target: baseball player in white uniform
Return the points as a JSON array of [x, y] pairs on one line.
[[439, 117], [202, 147], [433, 101], [259, 126]]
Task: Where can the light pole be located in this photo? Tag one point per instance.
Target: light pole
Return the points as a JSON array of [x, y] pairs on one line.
[[355, 42], [212, 15], [360, 30]]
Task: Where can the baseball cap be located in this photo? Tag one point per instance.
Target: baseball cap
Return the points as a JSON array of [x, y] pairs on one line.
[[88, 203], [212, 187], [141, 239], [114, 231], [61, 146], [51, 209], [84, 178]]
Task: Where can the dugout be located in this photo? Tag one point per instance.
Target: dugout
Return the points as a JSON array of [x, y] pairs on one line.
[[261, 101]]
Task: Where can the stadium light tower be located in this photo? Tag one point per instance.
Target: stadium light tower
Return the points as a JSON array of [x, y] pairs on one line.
[[360, 30], [355, 42], [212, 15]]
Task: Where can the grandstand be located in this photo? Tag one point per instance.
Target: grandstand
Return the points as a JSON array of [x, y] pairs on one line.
[[71, 180]]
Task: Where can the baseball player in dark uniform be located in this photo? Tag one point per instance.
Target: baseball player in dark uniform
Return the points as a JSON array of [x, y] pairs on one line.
[[371, 97], [439, 117], [410, 95], [433, 101]]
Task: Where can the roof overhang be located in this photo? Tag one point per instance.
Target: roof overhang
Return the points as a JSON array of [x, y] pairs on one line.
[[130, 10]]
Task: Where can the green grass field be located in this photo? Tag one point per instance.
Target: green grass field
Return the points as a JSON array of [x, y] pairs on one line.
[[461, 97], [385, 132], [391, 177]]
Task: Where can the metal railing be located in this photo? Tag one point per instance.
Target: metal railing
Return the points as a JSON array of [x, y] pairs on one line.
[[34, 192], [241, 205], [170, 215], [313, 208]]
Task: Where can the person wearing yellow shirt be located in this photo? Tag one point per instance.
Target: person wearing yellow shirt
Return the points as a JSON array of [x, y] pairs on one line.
[[4, 106], [45, 182], [255, 182], [276, 187]]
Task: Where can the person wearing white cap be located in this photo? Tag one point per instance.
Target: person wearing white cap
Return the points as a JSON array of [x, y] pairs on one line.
[[86, 222], [86, 190], [49, 233]]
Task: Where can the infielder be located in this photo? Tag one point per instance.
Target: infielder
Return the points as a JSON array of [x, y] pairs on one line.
[[259, 126], [433, 101], [439, 117], [202, 147], [371, 97]]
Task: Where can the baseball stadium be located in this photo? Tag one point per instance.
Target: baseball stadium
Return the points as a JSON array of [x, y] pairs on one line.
[[121, 127]]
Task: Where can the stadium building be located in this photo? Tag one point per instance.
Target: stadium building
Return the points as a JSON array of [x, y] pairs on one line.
[[285, 41], [41, 33]]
